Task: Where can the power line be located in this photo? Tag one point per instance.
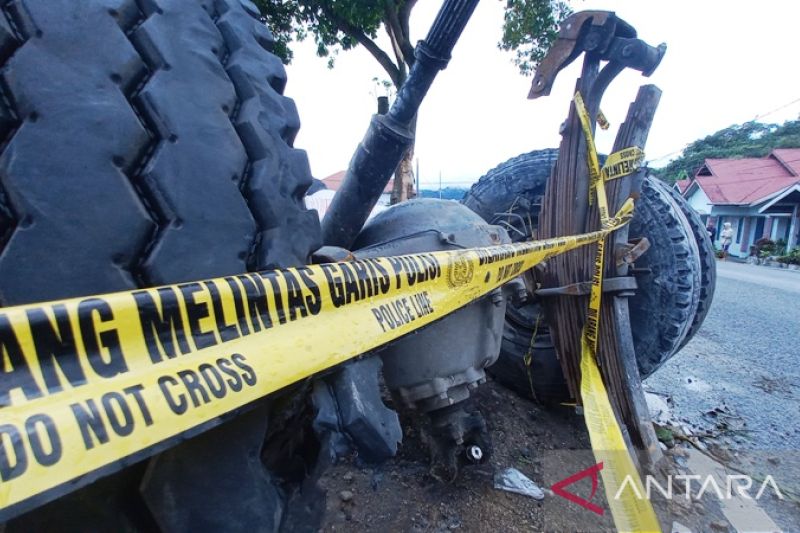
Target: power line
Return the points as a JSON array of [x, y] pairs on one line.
[[757, 117], [435, 185], [784, 106], [446, 182]]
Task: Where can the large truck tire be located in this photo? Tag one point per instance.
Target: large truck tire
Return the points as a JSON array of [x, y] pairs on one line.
[[708, 260], [510, 195], [528, 361], [662, 309], [148, 142], [666, 302]]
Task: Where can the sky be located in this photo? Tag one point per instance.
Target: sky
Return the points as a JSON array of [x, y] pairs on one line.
[[724, 65]]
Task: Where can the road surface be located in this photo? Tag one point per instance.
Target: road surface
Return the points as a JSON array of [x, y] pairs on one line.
[[739, 378], [742, 367]]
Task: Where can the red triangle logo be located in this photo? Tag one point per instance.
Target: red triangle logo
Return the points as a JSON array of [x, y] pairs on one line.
[[593, 472]]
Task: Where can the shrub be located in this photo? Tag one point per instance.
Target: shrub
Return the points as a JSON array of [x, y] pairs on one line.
[[792, 258], [764, 247]]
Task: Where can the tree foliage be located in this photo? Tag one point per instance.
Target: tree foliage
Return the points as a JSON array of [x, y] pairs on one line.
[[751, 139], [529, 28], [335, 25]]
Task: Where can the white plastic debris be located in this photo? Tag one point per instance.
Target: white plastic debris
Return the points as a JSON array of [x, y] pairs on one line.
[[677, 527], [659, 408], [512, 480]]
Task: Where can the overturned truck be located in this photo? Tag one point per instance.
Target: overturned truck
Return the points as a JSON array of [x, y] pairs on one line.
[[149, 144]]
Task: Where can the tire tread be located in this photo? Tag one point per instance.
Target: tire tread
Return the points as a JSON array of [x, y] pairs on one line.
[[155, 90], [708, 263], [94, 231], [674, 280]]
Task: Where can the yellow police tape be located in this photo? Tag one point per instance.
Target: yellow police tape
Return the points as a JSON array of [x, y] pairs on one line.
[[602, 121], [89, 385], [618, 165], [622, 163], [621, 481]]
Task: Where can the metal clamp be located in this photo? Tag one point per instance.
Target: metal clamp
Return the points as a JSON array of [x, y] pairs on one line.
[[626, 254], [622, 284]]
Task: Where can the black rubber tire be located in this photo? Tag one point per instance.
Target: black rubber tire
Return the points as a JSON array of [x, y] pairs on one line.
[[144, 142], [665, 304], [520, 182], [528, 361], [510, 195], [708, 260], [515, 187]]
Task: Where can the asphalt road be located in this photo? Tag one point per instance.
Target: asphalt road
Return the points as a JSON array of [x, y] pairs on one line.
[[745, 359], [739, 378]]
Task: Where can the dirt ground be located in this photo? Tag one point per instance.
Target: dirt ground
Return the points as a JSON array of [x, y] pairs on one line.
[[545, 444]]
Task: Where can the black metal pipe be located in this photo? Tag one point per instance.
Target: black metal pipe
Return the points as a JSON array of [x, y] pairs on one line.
[[388, 137], [432, 55]]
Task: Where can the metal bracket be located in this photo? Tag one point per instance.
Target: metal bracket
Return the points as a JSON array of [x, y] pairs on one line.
[[626, 254], [582, 31], [331, 254], [622, 284], [602, 35]]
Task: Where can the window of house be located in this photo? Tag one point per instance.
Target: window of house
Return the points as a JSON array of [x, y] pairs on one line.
[[739, 226]]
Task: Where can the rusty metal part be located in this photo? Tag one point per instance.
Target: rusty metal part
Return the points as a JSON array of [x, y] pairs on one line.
[[602, 36], [332, 254], [627, 254], [635, 54], [568, 46], [619, 284]]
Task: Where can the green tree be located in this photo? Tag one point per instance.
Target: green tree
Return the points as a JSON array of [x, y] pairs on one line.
[[751, 139], [529, 27], [335, 25]]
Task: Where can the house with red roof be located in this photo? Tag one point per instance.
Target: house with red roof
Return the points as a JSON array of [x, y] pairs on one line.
[[760, 197]]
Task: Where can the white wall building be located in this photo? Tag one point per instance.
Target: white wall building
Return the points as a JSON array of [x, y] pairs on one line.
[[321, 199]]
